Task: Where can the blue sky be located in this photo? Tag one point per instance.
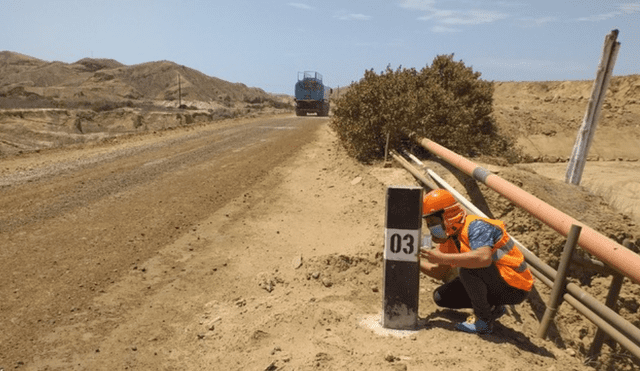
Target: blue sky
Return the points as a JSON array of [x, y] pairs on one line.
[[264, 43]]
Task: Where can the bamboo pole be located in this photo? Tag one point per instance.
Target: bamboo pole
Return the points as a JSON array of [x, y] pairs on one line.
[[590, 120], [426, 181]]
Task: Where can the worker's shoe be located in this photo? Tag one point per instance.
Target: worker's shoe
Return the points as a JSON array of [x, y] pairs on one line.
[[498, 311], [475, 325]]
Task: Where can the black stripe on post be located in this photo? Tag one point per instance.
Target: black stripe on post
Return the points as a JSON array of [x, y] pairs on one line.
[[404, 207], [401, 265]]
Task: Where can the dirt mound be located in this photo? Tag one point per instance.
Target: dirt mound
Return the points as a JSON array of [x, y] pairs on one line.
[[17, 60], [545, 117], [93, 65], [24, 131]]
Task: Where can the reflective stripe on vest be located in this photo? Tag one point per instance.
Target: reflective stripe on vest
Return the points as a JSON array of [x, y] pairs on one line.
[[507, 258], [505, 250]]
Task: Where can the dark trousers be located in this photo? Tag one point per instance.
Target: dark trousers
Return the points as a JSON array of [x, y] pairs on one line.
[[480, 289]]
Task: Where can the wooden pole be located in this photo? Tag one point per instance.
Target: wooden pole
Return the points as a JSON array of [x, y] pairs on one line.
[[179, 92], [386, 147], [559, 284], [612, 299], [590, 121]]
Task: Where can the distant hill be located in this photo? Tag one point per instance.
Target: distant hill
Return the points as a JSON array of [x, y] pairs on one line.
[[91, 79]]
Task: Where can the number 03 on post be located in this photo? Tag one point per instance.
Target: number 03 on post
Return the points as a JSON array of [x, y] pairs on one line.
[[401, 265]]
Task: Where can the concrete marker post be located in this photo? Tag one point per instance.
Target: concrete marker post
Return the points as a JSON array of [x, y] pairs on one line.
[[401, 279]]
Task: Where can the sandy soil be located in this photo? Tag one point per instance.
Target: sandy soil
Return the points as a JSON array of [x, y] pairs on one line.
[[267, 255], [285, 275]]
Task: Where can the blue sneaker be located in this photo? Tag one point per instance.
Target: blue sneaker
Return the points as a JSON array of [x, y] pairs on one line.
[[475, 325]]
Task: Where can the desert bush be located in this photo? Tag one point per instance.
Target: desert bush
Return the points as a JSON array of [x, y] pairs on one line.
[[278, 104], [446, 102], [225, 100], [252, 99], [102, 106]]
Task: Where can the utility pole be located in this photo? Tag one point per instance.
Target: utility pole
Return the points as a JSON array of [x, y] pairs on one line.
[[179, 92]]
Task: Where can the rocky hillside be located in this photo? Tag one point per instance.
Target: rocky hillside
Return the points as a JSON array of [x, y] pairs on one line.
[[54, 104], [91, 80]]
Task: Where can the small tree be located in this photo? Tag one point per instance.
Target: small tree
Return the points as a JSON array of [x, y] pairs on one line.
[[446, 102]]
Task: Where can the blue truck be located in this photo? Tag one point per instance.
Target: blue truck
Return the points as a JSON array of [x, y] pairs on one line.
[[311, 96]]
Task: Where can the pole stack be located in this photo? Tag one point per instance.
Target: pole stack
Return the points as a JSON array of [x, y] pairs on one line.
[[590, 121]]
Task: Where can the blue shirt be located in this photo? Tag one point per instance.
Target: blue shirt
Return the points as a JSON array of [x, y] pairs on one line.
[[482, 233]]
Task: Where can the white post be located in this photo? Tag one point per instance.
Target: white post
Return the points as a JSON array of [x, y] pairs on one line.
[[590, 121]]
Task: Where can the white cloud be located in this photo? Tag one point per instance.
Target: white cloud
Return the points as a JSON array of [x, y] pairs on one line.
[[442, 29], [510, 4], [630, 8], [301, 6], [353, 17], [444, 18], [627, 8], [437, 14], [424, 5], [599, 17]]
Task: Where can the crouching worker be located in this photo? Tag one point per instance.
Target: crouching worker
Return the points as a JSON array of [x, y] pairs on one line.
[[492, 271]]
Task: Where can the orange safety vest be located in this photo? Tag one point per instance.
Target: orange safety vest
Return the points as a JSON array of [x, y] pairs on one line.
[[505, 255]]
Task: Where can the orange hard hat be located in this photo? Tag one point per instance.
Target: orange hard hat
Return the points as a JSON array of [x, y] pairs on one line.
[[441, 200]]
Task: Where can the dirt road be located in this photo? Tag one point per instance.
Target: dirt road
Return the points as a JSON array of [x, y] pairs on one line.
[[250, 246], [76, 223]]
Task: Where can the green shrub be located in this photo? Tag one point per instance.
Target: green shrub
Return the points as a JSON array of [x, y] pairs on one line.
[[446, 102]]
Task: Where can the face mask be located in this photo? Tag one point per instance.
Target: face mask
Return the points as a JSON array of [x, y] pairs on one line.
[[438, 232]]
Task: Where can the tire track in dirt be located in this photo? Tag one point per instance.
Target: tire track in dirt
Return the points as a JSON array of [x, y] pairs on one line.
[[84, 227], [55, 190]]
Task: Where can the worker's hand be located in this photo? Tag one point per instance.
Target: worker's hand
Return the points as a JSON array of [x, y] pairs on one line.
[[434, 256]]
